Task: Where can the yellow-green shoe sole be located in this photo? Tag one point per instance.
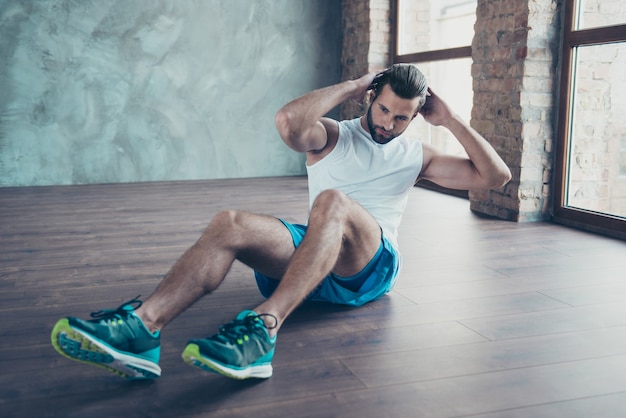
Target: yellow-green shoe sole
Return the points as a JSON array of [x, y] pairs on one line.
[[91, 352], [191, 355]]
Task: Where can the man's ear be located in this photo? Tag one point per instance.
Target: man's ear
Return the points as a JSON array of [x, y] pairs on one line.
[[368, 99]]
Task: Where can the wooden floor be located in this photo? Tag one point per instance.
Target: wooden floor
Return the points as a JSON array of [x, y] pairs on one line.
[[488, 319]]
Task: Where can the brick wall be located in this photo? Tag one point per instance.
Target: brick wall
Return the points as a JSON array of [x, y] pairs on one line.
[[514, 53], [514, 56], [366, 37]]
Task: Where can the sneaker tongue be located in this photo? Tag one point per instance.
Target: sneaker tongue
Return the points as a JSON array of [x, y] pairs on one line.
[[246, 313], [128, 308]]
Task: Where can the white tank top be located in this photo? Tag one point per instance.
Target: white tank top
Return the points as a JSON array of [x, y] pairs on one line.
[[376, 176]]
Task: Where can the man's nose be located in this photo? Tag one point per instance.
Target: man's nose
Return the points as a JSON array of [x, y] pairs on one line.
[[388, 123]]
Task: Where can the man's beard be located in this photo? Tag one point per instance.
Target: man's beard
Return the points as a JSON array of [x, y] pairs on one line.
[[379, 139]]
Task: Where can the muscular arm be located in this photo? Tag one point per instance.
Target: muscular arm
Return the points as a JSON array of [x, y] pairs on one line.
[[484, 169], [301, 123]]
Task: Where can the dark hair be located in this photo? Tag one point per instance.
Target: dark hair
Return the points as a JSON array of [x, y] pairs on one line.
[[405, 80]]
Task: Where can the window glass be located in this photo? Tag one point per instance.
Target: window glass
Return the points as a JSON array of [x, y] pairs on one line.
[[596, 178], [600, 13], [426, 25]]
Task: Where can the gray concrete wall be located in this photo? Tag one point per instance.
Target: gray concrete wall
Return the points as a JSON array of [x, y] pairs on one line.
[[105, 91]]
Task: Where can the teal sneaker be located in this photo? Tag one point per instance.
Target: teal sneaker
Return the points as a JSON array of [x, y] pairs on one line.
[[115, 339], [241, 349]]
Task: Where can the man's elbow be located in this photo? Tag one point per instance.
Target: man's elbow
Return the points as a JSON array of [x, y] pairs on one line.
[[282, 120], [287, 129], [500, 178]]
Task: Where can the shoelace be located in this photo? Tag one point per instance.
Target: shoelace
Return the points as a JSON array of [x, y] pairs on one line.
[[117, 315], [238, 329]]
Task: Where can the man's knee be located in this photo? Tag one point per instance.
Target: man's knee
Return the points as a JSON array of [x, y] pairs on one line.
[[225, 217], [226, 222], [331, 203]]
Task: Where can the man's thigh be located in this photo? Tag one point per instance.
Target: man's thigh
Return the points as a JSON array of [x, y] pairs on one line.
[[268, 245]]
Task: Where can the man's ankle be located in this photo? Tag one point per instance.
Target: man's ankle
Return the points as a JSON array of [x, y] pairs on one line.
[[271, 321], [145, 319]]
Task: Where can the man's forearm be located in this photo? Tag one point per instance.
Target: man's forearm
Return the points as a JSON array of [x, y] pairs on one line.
[[485, 159]]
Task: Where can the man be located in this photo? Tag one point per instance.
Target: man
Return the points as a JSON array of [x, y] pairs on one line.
[[360, 173]]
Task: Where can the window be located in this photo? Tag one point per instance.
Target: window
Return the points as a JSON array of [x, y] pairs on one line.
[[591, 155]]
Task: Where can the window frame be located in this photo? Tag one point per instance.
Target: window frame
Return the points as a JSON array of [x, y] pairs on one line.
[[572, 38]]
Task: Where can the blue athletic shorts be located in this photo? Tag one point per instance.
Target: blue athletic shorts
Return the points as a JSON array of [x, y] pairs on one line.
[[373, 282]]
